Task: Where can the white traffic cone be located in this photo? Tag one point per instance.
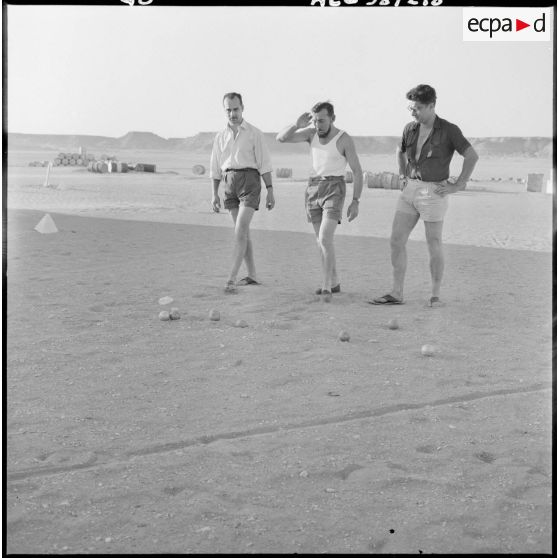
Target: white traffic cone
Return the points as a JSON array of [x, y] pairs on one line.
[[46, 225]]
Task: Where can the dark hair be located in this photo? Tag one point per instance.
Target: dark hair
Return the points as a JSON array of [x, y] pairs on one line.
[[323, 105], [232, 95], [423, 94]]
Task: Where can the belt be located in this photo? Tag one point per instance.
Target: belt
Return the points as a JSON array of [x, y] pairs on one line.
[[241, 170], [414, 170], [422, 180]]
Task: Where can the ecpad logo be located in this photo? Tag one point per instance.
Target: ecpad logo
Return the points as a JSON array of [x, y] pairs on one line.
[[494, 24], [507, 24]]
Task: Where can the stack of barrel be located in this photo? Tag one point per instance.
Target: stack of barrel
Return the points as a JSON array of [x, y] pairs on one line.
[[284, 173], [146, 167], [107, 166], [385, 180], [73, 159]]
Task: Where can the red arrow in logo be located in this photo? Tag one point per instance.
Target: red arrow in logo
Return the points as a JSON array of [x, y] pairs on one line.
[[519, 25]]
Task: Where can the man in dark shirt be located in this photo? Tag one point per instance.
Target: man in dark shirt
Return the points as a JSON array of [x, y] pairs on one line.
[[424, 157]]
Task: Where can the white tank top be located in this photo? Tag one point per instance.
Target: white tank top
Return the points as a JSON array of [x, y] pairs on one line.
[[326, 159]]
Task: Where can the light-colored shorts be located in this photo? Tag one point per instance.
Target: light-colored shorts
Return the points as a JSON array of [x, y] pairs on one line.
[[242, 186], [419, 198], [325, 195]]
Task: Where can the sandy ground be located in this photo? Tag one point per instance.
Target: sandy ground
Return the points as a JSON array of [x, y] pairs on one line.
[[490, 214], [126, 434]]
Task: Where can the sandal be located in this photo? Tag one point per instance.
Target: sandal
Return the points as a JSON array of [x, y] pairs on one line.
[[385, 300], [336, 289], [248, 281], [230, 287]]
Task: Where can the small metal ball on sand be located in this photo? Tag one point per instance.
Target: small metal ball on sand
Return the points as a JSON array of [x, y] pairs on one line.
[[428, 350], [344, 336]]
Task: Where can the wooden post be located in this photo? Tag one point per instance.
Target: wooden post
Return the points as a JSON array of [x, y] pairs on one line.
[[49, 166]]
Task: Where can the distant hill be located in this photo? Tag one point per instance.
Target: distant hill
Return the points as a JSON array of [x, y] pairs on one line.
[[533, 146], [57, 142], [141, 140], [203, 141]]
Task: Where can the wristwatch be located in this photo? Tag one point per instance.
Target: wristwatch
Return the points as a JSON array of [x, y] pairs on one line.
[[269, 186], [354, 199]]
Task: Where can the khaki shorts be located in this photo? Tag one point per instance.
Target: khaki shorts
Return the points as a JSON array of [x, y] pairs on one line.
[[419, 198], [325, 195], [242, 186]]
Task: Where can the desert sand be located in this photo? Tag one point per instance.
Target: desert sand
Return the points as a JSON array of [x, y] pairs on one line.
[[127, 434]]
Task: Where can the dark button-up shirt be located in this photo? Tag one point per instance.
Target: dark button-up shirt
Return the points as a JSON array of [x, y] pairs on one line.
[[433, 164]]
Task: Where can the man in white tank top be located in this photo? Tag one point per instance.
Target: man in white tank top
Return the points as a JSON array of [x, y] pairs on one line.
[[331, 150]]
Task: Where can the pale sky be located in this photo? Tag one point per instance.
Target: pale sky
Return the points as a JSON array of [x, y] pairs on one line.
[[108, 70]]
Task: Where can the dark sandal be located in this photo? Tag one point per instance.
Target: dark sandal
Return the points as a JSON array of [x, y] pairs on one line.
[[336, 289], [248, 281], [385, 300], [230, 287]]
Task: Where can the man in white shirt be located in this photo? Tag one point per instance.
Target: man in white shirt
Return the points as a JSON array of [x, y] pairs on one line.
[[239, 158], [331, 150]]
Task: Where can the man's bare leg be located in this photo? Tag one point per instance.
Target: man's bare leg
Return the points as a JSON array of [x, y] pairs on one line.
[[334, 277], [243, 249], [433, 232], [403, 224], [325, 242], [249, 255]]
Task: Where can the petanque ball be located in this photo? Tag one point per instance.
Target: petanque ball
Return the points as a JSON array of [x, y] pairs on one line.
[[164, 316], [393, 324], [174, 314], [241, 323], [344, 336], [428, 350], [214, 315]]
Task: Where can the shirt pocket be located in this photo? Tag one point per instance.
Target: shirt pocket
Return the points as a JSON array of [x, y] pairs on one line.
[[435, 152], [435, 149]]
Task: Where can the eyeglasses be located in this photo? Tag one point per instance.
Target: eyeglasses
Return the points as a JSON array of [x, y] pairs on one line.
[[412, 108]]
